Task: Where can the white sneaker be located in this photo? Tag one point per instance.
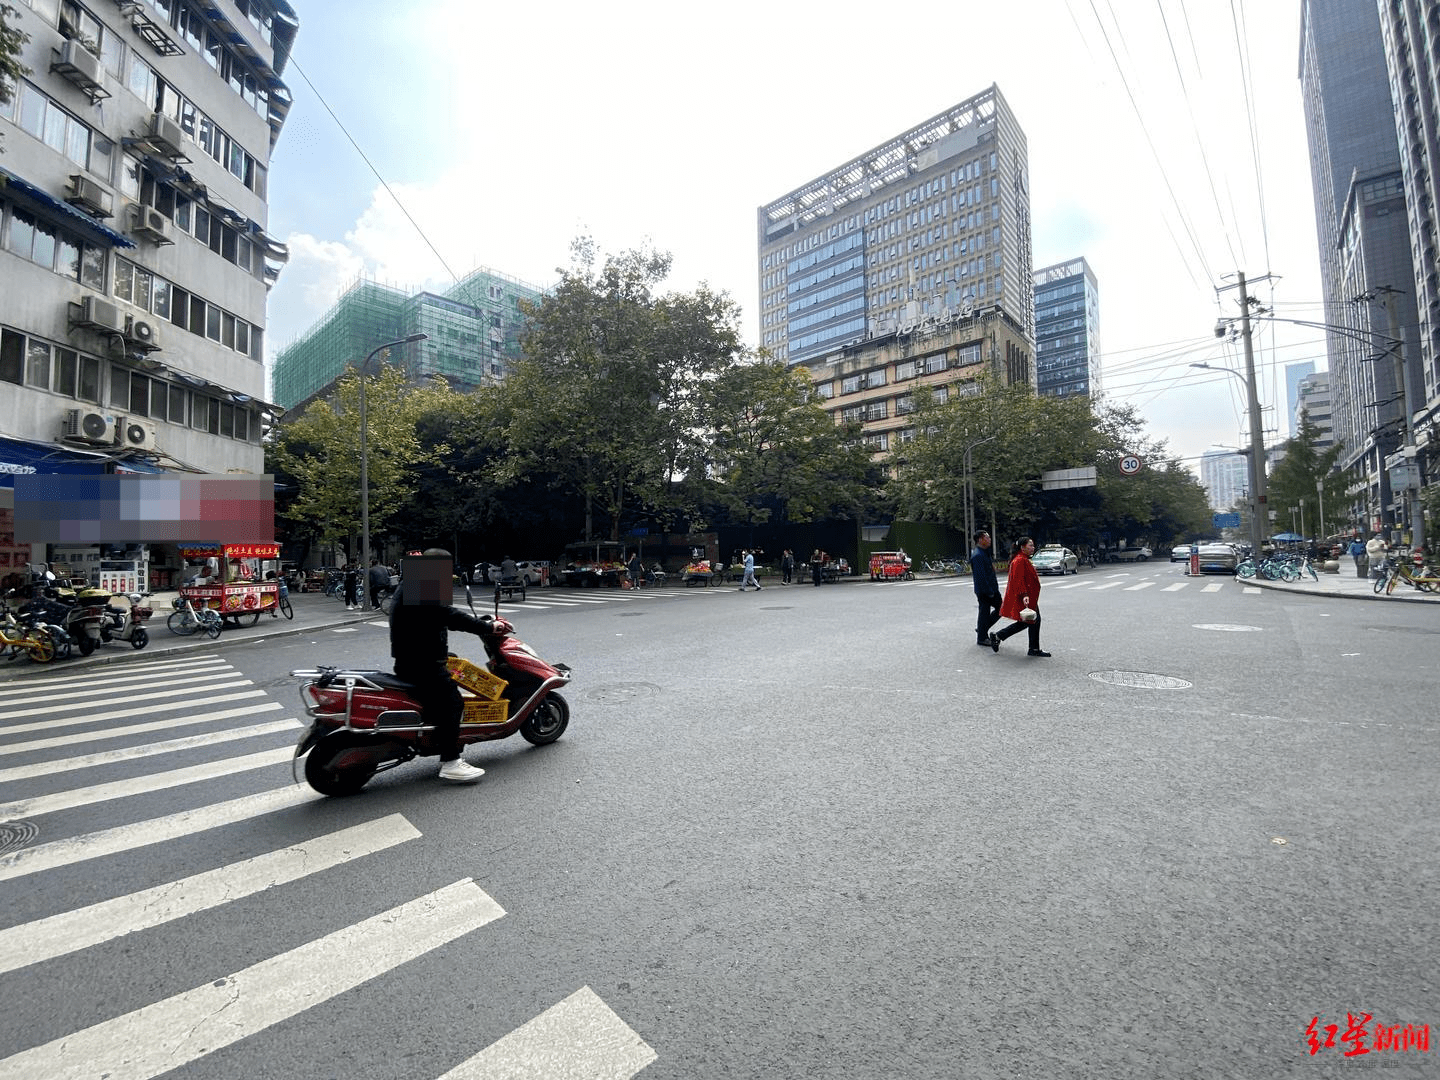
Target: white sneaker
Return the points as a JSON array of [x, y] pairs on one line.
[[460, 771]]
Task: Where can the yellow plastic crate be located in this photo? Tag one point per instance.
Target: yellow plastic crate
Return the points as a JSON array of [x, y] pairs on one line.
[[485, 712], [475, 678]]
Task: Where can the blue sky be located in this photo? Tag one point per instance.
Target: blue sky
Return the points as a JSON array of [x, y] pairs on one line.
[[507, 130]]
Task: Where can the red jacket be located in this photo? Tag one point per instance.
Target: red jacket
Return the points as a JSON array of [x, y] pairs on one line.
[[1022, 581]]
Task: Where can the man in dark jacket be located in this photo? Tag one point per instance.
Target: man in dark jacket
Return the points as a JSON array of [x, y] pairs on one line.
[[379, 580], [420, 622], [987, 588]]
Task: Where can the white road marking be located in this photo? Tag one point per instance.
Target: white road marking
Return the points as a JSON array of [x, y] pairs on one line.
[[1137, 588], [195, 718], [132, 729], [144, 750], [1214, 586], [1108, 585], [141, 785], [172, 1033], [107, 684], [71, 931], [579, 1037], [132, 698], [1176, 587], [77, 849], [1253, 589]]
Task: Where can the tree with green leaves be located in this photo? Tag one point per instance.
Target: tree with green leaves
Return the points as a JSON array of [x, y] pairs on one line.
[[319, 452], [1304, 472], [775, 453], [12, 41], [609, 392]]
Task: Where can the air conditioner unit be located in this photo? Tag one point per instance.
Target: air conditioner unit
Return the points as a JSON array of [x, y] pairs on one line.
[[143, 333], [91, 427], [150, 223], [90, 196], [166, 136], [136, 434], [97, 314], [79, 65]]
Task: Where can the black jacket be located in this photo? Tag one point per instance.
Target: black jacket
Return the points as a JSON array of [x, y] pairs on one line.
[[982, 573], [420, 633]]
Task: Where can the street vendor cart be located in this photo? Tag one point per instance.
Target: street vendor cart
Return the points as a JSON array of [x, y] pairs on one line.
[[229, 579]]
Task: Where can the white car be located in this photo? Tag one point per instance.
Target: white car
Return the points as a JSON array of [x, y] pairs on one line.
[[1131, 554], [1055, 560], [532, 572]]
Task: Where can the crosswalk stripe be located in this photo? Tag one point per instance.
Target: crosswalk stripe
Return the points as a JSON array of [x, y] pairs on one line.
[[1107, 585], [146, 710], [1253, 589], [119, 732], [1214, 586], [131, 697], [580, 1036], [141, 785], [144, 750], [169, 1034], [1176, 587], [1072, 585], [1137, 588], [112, 841], [71, 931], [142, 673]]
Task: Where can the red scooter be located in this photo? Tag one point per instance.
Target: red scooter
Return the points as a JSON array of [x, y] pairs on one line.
[[364, 721]]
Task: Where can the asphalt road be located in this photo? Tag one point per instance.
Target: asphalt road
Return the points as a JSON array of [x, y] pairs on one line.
[[796, 833]]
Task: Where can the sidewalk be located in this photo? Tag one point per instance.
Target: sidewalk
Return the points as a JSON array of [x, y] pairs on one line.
[[1346, 584], [313, 611]]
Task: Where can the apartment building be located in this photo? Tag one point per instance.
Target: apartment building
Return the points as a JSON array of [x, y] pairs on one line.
[[134, 256]]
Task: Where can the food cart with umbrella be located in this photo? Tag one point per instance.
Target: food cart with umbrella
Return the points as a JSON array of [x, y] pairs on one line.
[[233, 580]]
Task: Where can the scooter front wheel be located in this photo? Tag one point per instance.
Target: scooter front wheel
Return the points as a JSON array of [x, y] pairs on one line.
[[139, 639], [548, 722]]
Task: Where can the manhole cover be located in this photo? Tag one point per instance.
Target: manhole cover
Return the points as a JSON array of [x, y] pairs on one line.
[[17, 834], [1145, 680], [1234, 628], [620, 693]]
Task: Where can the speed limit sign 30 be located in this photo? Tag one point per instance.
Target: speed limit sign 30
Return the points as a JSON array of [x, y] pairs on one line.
[[1131, 464]]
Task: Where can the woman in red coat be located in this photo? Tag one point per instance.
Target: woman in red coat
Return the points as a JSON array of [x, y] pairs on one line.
[[1022, 590]]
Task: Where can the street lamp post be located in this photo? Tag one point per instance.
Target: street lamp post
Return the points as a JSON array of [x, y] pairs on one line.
[[970, 488], [1257, 443], [365, 453]]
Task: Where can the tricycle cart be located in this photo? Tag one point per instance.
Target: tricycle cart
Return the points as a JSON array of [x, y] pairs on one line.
[[231, 581]]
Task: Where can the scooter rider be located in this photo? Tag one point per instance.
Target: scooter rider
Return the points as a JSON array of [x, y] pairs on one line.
[[420, 622]]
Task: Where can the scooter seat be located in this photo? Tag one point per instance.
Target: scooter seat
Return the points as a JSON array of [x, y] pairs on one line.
[[390, 682]]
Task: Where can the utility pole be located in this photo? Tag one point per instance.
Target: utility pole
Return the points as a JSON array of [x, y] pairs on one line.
[[1413, 512], [1259, 518]]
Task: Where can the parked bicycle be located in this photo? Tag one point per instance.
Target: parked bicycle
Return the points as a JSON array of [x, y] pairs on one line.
[[282, 605], [1392, 571], [187, 618], [25, 637]]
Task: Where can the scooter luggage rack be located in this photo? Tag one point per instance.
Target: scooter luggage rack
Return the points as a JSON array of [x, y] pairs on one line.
[[326, 677]]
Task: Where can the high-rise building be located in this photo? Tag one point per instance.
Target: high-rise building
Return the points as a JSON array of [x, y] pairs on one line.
[[931, 223], [1225, 476], [1312, 400], [134, 251], [1372, 244], [474, 331], [1293, 374], [908, 265], [1067, 330]]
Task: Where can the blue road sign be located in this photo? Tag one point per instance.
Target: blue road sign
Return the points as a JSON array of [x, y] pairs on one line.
[[1225, 521]]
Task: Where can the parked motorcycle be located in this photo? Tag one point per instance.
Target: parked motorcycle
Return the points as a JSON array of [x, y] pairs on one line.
[[364, 722], [127, 623]]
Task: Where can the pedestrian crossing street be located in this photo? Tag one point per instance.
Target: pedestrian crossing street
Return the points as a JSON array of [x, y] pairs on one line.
[[1122, 583], [63, 727]]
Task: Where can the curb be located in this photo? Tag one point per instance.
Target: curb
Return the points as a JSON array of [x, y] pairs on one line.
[[1339, 594]]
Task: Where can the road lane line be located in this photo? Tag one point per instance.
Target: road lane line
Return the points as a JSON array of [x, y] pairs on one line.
[[141, 785], [110, 681], [194, 718], [580, 1036], [169, 1034], [144, 750], [130, 698], [71, 931], [112, 841]]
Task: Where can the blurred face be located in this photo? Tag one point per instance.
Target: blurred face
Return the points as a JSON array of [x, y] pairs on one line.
[[1029, 547], [984, 540], [428, 580]]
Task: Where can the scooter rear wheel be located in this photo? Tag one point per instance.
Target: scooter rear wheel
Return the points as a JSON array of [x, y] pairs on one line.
[[341, 764], [87, 644], [548, 722]]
